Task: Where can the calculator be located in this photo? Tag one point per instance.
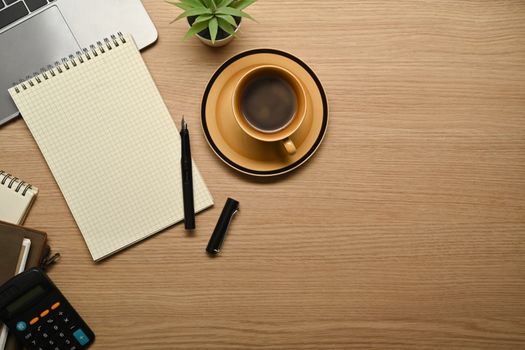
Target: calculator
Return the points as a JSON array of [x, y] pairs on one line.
[[39, 316]]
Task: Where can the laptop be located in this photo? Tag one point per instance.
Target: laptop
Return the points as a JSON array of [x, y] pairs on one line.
[[37, 33]]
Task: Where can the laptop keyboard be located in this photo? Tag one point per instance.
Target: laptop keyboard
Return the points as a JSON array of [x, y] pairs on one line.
[[13, 10]]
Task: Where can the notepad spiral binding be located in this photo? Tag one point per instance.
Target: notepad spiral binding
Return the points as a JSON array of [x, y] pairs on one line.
[[10, 181], [71, 61]]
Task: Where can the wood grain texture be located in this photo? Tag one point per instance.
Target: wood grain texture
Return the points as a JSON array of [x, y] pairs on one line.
[[405, 231]]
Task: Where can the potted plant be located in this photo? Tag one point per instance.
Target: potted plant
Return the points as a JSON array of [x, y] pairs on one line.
[[214, 22]]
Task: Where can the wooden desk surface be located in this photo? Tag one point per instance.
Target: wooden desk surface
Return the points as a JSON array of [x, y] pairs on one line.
[[405, 231]]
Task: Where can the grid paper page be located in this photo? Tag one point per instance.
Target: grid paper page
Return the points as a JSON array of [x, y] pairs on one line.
[[112, 147]]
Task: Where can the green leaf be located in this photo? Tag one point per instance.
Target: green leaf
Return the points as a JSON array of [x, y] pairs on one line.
[[242, 4], [196, 28], [213, 25], [233, 12], [227, 27], [207, 3], [224, 3], [181, 5], [194, 12], [193, 3], [203, 18], [228, 19]]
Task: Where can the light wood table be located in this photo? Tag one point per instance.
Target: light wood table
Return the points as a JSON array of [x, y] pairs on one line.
[[405, 231]]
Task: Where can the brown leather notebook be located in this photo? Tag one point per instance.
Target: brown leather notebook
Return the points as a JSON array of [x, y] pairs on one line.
[[11, 237], [10, 249]]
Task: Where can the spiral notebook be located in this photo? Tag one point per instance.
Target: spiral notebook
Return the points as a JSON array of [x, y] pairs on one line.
[[16, 198], [110, 143]]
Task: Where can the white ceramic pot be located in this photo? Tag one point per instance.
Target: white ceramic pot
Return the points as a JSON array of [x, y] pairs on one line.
[[220, 42]]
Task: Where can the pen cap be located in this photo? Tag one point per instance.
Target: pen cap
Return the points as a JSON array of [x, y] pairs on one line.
[[215, 243]]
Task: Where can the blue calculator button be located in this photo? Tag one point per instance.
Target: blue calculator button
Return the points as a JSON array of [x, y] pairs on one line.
[[21, 326], [81, 337]]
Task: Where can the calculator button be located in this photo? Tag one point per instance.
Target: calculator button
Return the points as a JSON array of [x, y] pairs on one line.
[[44, 313], [55, 305], [21, 326], [50, 321], [81, 337], [33, 321], [28, 336], [45, 335], [67, 341]]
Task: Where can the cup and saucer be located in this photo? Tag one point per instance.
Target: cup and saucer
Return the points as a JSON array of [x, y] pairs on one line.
[[264, 112]]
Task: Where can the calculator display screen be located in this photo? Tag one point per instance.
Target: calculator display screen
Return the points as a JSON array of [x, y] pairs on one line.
[[25, 299]]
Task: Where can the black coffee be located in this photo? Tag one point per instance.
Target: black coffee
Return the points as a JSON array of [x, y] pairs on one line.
[[268, 103]]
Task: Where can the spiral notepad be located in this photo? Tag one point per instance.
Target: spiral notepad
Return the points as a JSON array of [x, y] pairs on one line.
[[16, 198], [110, 143]]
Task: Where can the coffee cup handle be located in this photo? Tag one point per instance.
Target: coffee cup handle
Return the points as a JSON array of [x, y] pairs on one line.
[[289, 146]]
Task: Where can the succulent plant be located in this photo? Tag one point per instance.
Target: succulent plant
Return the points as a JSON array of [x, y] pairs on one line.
[[212, 15]]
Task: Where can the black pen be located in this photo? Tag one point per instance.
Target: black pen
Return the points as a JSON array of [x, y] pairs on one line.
[[187, 177]]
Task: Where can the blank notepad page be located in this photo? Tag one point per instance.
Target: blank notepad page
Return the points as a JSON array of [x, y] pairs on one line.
[[111, 144]]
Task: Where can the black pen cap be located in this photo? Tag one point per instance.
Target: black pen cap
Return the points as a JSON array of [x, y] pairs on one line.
[[216, 239]]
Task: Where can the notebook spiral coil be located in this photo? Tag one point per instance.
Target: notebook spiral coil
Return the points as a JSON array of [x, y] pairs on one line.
[[70, 62], [10, 181]]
